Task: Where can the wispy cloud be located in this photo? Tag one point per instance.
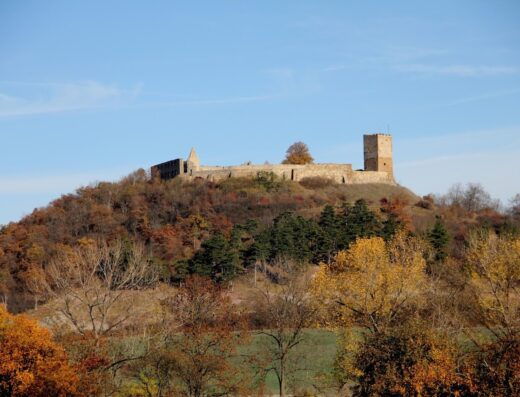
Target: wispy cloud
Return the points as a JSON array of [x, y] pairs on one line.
[[211, 101], [42, 98], [58, 97], [433, 163], [436, 174], [482, 97], [460, 70], [57, 183]]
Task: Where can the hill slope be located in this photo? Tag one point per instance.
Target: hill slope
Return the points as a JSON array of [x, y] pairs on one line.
[[172, 218]]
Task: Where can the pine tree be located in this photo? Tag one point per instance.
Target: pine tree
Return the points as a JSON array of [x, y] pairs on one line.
[[328, 234], [293, 237], [439, 239], [216, 259], [390, 227], [358, 221]]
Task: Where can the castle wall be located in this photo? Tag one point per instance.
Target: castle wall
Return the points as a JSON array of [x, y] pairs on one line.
[[372, 177], [377, 154], [340, 173]]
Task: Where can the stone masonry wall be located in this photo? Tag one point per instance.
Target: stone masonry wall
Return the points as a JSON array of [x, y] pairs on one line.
[[378, 167], [340, 173]]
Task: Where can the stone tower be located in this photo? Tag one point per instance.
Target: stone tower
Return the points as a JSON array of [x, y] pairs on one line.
[[193, 161], [378, 153]]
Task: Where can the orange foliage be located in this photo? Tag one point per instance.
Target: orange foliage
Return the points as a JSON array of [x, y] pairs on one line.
[[298, 153], [397, 207], [31, 364]]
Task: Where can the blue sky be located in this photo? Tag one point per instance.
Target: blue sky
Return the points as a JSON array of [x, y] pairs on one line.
[[93, 90]]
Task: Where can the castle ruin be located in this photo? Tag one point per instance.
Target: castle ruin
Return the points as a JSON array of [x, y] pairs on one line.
[[377, 154]]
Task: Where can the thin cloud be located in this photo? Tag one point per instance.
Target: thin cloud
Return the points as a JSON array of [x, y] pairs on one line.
[[58, 183], [63, 97], [437, 174], [433, 163], [460, 70], [212, 101], [481, 97]]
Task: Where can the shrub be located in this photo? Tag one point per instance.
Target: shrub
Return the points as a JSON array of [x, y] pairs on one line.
[[316, 182]]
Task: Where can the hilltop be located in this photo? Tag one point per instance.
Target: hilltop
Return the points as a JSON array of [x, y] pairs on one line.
[[171, 218]]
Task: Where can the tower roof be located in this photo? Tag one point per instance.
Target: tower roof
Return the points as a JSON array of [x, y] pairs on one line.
[[193, 158]]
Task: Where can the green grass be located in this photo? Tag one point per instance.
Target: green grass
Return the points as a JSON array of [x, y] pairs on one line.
[[313, 359]]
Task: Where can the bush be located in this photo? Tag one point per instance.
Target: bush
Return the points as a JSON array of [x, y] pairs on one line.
[[316, 182], [426, 202]]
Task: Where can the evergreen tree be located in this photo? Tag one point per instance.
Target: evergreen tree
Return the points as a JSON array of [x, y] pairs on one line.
[[390, 227], [358, 221], [328, 235], [293, 237], [260, 250], [216, 259], [439, 239]]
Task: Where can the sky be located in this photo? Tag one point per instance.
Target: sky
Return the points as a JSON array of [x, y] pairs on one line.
[[91, 91]]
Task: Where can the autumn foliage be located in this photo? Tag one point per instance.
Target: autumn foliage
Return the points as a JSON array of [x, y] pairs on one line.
[[425, 298], [298, 153], [31, 364], [371, 283]]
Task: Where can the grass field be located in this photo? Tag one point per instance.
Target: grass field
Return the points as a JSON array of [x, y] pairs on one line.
[[312, 360]]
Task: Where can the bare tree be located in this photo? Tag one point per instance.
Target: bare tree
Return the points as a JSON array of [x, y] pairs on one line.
[[284, 313], [514, 206], [472, 197], [200, 336], [89, 283]]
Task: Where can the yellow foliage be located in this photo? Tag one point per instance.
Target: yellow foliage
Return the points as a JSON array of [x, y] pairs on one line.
[[370, 283], [494, 264]]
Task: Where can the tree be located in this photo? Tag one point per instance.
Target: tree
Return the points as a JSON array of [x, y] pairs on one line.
[[472, 197], [216, 259], [292, 237], [89, 283], [298, 153], [31, 364], [201, 338], [358, 221], [407, 360], [439, 239], [494, 267], [371, 283], [328, 235], [283, 315], [514, 206]]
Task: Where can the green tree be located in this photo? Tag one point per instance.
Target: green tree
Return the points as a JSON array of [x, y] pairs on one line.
[[328, 234], [216, 259], [390, 227], [293, 237], [260, 250], [358, 221], [439, 239]]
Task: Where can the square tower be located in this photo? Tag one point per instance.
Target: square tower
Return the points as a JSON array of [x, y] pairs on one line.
[[378, 153]]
